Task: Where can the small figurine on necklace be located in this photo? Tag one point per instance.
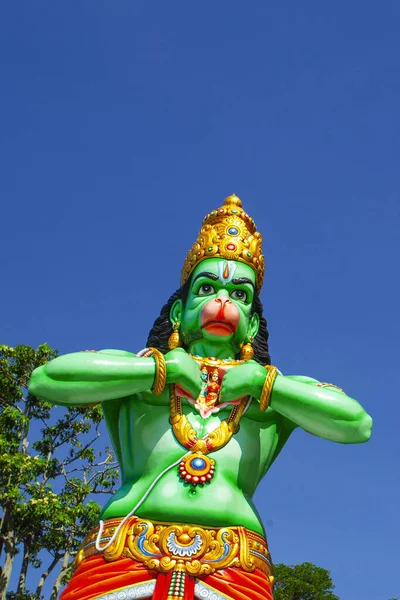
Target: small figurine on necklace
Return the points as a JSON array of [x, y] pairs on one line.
[[202, 399], [213, 388]]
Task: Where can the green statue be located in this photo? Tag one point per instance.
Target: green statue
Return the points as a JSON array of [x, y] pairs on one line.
[[196, 419]]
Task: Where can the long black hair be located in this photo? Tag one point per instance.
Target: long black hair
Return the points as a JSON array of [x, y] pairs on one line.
[[162, 328]]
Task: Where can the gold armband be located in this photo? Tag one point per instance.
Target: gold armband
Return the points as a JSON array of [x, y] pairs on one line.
[[268, 385], [161, 371]]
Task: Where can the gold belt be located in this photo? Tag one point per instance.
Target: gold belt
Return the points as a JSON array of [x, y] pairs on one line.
[[193, 549]]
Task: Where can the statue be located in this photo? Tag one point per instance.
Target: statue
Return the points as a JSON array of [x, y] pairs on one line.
[[196, 419]]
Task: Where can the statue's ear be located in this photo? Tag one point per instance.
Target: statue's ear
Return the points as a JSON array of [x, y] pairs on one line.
[[176, 311], [254, 325]]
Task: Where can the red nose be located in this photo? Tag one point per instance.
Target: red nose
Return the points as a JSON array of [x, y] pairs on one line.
[[223, 300]]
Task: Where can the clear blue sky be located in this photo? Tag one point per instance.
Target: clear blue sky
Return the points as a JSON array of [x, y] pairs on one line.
[[123, 123]]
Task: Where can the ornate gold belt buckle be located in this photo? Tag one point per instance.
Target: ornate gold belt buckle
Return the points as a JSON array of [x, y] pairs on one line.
[[191, 548]]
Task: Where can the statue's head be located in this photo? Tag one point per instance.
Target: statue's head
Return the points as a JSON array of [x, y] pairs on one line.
[[215, 376], [218, 303], [218, 306]]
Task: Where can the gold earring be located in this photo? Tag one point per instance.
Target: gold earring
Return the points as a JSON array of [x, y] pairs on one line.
[[174, 340], [247, 351]]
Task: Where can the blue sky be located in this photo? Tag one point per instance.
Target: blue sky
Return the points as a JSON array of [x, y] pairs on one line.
[[123, 123]]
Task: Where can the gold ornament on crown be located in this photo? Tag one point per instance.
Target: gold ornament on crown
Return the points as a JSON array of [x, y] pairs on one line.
[[229, 233]]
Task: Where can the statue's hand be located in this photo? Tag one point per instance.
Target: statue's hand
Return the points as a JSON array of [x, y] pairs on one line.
[[244, 380], [184, 371]]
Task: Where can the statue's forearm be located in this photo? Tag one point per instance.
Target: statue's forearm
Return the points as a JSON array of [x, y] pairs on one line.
[[88, 377], [322, 411]]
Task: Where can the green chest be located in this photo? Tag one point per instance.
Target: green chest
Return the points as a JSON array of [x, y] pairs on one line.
[[144, 442]]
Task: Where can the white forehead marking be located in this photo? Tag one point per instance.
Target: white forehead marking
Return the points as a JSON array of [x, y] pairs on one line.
[[226, 271]]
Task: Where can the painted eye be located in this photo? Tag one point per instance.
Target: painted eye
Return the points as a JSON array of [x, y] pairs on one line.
[[206, 290], [239, 295]]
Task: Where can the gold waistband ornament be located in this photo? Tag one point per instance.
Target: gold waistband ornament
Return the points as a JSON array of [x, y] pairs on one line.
[[194, 550], [229, 233]]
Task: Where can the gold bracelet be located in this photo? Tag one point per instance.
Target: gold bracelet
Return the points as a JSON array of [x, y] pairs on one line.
[[161, 371], [268, 385]]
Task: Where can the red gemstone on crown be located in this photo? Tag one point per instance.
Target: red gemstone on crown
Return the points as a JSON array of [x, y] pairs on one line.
[[231, 247]]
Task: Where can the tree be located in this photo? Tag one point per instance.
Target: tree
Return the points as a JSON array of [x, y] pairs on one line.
[[50, 470], [303, 582]]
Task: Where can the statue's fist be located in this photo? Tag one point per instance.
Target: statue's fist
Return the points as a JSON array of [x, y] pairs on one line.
[[244, 380], [184, 371]]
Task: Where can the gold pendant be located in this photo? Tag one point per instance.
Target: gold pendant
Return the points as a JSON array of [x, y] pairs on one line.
[[197, 468]]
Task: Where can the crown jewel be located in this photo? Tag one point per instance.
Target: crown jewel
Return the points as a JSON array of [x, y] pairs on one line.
[[230, 233]]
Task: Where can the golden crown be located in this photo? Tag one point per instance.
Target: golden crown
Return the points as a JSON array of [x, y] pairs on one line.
[[230, 233]]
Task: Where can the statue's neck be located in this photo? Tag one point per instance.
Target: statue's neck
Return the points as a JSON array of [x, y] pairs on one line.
[[204, 348]]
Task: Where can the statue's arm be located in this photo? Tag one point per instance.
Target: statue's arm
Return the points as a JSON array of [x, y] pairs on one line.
[[89, 377], [323, 411]]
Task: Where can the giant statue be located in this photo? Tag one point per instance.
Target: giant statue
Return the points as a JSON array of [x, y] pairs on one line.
[[196, 419]]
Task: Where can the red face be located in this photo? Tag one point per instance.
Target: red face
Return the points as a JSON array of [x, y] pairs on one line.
[[220, 317]]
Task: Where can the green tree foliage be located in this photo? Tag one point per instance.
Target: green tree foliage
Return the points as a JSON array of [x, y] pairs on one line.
[[50, 471], [303, 582]]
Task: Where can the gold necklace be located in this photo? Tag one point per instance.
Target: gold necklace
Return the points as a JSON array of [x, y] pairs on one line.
[[197, 468], [211, 361]]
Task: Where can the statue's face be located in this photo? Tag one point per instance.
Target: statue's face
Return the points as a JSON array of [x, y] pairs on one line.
[[218, 306]]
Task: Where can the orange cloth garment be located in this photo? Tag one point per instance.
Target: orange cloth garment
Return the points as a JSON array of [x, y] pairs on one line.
[[96, 577], [237, 584]]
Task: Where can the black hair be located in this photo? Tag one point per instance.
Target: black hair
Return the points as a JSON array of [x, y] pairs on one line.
[[162, 328]]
